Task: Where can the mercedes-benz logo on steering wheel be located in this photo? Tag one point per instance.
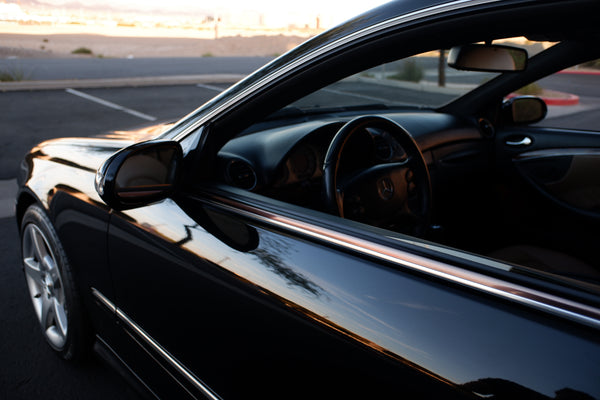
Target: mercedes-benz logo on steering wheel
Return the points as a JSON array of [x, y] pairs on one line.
[[385, 188]]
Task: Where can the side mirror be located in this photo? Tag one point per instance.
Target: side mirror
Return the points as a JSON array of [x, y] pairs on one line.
[[523, 110], [140, 174], [487, 57]]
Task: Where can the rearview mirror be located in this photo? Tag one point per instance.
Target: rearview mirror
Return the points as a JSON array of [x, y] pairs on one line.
[[139, 175], [487, 57]]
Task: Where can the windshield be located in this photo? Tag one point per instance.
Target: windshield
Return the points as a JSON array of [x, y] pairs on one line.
[[424, 81]]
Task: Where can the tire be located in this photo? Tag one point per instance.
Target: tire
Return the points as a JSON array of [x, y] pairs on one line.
[[52, 290]]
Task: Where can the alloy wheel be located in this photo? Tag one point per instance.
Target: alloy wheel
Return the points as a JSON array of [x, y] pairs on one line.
[[45, 286]]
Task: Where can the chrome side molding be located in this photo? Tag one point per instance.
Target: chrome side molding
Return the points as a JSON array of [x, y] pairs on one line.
[[536, 299], [146, 338]]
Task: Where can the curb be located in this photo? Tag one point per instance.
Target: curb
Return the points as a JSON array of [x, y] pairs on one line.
[[570, 100], [120, 82], [579, 72]]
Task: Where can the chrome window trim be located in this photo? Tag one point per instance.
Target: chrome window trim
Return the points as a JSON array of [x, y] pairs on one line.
[[156, 346], [537, 299], [405, 18]]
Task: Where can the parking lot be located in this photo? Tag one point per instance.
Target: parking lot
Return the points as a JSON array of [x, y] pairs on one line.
[[32, 117]]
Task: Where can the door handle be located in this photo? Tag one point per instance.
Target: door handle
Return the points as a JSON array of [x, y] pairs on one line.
[[525, 141]]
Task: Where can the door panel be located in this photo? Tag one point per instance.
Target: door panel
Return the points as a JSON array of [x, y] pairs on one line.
[[256, 311], [568, 176], [549, 191]]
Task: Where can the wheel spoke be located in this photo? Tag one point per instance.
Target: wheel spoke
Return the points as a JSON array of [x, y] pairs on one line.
[[47, 311], [32, 269], [60, 317], [39, 247], [55, 337], [49, 265]]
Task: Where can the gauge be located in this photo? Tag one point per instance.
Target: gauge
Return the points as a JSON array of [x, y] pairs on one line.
[[303, 162], [386, 147], [383, 148]]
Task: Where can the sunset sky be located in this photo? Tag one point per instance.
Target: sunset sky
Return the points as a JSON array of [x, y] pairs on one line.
[[274, 11]]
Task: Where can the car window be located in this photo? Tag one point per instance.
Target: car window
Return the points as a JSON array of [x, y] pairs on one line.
[[423, 80], [571, 96], [487, 197]]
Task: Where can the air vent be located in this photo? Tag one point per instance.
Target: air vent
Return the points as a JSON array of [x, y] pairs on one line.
[[241, 174]]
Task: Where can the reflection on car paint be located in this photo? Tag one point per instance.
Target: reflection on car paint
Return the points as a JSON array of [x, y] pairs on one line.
[[326, 292]]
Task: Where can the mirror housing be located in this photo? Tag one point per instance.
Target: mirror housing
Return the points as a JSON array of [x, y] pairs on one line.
[[523, 110], [488, 58], [139, 174]]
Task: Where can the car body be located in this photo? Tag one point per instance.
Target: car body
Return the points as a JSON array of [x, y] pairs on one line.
[[259, 248]]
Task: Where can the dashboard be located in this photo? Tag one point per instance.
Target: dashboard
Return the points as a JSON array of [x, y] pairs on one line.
[[286, 162]]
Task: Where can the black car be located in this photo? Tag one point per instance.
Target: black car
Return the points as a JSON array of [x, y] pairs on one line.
[[390, 210]]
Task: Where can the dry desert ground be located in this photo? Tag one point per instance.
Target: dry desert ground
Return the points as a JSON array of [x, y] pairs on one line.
[[27, 41]]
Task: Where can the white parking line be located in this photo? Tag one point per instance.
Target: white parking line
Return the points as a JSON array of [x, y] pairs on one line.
[[111, 105], [210, 87]]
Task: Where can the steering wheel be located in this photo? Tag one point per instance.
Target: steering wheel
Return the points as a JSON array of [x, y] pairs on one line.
[[394, 195]]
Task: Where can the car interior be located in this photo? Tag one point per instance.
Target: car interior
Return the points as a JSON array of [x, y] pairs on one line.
[[467, 165]]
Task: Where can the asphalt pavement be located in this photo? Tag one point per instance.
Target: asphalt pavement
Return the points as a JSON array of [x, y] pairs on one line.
[[29, 118], [102, 68]]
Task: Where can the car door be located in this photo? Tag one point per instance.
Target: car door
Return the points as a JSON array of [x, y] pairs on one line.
[[248, 310], [233, 296]]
